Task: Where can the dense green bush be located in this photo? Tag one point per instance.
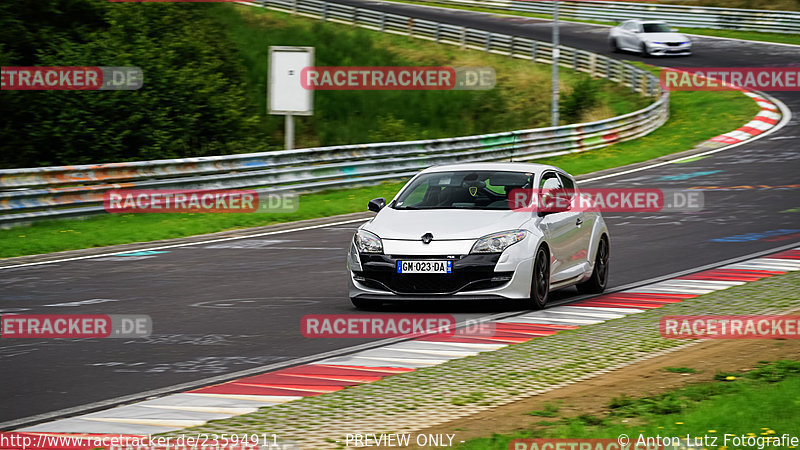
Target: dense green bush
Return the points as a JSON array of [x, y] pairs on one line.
[[193, 89]]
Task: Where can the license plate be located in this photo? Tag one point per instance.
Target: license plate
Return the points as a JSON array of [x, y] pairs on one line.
[[425, 266]]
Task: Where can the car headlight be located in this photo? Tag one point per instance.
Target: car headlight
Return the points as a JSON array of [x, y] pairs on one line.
[[497, 242], [367, 242]]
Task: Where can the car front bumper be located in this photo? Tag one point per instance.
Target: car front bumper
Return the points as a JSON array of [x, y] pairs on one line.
[[473, 277]]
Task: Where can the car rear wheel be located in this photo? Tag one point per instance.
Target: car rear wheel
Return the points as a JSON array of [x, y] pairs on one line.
[[540, 281], [614, 45], [597, 282]]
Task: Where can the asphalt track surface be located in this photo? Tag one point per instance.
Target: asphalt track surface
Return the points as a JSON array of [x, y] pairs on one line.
[[224, 307]]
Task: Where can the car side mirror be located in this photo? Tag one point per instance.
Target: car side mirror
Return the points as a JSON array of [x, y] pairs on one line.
[[554, 201], [376, 204]]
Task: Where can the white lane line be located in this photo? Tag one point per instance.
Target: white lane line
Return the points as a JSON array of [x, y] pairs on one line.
[[444, 344], [548, 320], [792, 262], [764, 266], [410, 361], [181, 423], [680, 283], [255, 398], [485, 347], [610, 308], [207, 409], [450, 353], [598, 314], [709, 283], [185, 399], [676, 290]]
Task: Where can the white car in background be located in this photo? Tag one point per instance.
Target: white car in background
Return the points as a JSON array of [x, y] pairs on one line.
[[452, 233], [649, 38]]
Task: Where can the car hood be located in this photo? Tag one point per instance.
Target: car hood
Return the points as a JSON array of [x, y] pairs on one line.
[[443, 224], [665, 37]]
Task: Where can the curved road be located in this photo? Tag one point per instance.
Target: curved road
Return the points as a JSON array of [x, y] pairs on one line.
[[222, 307]]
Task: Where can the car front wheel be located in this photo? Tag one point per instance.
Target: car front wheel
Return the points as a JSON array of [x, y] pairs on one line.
[[540, 281], [644, 51], [597, 282]]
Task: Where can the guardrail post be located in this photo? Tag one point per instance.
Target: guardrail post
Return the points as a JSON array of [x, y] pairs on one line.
[[436, 33], [325, 11], [294, 6], [593, 64], [634, 76], [410, 26], [608, 69], [355, 17], [488, 42], [463, 37], [574, 59], [383, 21], [534, 51], [511, 47]]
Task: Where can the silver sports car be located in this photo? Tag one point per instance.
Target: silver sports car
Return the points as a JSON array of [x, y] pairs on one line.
[[454, 232], [649, 38]]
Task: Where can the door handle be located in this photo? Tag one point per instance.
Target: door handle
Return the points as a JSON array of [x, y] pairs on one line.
[[579, 222]]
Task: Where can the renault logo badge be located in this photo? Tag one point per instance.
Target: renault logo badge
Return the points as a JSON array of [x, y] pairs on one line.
[[427, 238]]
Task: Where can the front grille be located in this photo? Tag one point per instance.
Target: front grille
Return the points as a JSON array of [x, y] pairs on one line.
[[470, 273], [673, 44]]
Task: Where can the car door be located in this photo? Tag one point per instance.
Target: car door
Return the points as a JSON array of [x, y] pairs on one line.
[[578, 244], [630, 38], [559, 229]]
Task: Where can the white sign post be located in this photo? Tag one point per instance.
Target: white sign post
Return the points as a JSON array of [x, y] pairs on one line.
[[285, 94]]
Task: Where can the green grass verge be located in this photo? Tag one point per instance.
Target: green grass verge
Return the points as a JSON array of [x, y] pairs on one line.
[[760, 403], [694, 118], [781, 38]]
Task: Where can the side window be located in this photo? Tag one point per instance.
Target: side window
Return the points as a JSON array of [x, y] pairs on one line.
[[550, 181], [569, 185]]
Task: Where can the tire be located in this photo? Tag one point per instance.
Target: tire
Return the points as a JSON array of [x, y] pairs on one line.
[[364, 304], [599, 279], [540, 279], [614, 46], [643, 51]]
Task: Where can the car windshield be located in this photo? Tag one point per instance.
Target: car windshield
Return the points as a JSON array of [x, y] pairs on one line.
[[484, 190], [656, 28]]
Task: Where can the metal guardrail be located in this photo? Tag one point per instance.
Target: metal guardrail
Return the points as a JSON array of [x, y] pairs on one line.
[[46, 192], [677, 15]]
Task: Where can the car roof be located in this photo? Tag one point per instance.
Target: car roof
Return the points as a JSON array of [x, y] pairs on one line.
[[644, 21], [494, 166]]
